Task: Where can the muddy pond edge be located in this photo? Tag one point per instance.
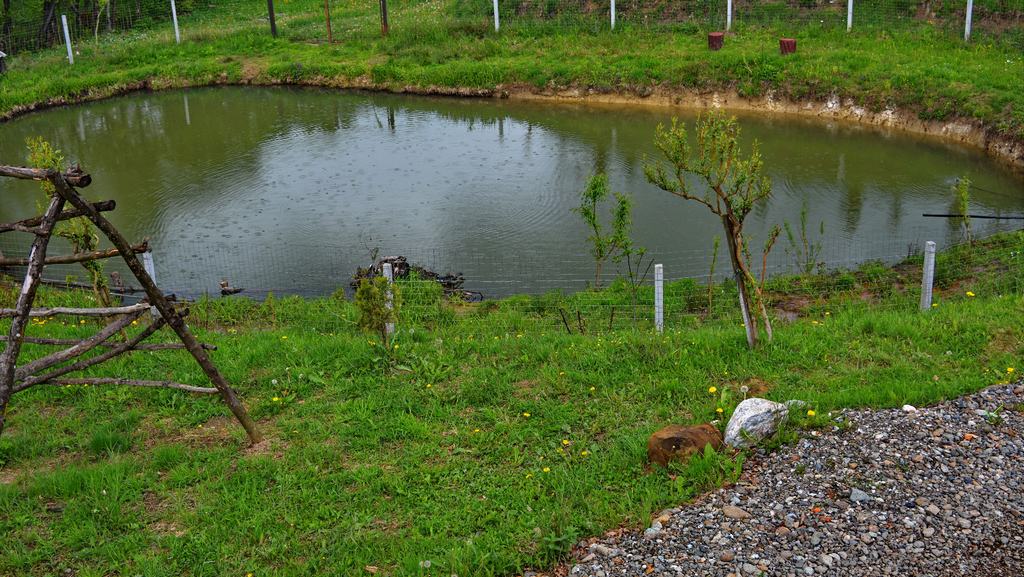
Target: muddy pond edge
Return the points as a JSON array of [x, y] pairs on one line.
[[965, 131]]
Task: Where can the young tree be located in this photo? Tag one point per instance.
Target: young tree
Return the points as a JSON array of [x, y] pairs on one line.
[[604, 247], [732, 186], [79, 232]]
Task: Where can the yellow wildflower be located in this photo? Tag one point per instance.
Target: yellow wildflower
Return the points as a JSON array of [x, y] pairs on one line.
[[584, 453], [565, 441], [712, 390], [546, 469], [276, 399], [429, 385], [1009, 370], [970, 294], [719, 410], [527, 415], [810, 412]]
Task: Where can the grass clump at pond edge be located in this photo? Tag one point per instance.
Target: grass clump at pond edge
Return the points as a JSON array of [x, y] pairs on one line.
[[485, 441]]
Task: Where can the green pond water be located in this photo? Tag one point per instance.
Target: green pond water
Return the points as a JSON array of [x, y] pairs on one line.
[[290, 189]]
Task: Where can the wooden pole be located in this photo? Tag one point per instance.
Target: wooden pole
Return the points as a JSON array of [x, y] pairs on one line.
[[383, 17], [273, 18], [158, 300], [327, 16], [24, 303]]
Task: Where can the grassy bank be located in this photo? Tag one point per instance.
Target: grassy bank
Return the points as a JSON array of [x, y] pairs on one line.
[[915, 67], [485, 441]]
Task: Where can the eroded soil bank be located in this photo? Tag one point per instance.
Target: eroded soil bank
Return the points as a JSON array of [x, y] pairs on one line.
[[961, 130]]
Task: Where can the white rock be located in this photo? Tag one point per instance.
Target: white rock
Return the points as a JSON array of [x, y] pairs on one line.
[[909, 409], [753, 421]]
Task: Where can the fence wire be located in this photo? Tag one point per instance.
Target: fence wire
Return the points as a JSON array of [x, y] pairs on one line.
[[36, 25], [312, 286]]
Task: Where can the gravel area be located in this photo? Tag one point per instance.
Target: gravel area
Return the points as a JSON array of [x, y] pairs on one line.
[[928, 492]]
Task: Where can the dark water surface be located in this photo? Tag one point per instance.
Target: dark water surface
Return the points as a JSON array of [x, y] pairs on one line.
[[288, 189]]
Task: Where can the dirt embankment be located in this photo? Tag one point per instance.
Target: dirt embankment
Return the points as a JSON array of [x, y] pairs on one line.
[[961, 130]]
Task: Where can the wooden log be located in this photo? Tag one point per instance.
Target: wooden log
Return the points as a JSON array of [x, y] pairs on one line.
[[787, 45], [134, 383], [78, 312], [716, 40], [74, 176], [77, 349], [69, 342], [83, 364], [23, 305], [30, 223], [77, 257], [164, 307]]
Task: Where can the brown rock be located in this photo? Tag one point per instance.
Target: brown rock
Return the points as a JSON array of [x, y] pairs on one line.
[[677, 443]]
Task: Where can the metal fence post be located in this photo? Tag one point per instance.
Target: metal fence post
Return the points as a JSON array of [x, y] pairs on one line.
[[67, 38], [497, 21], [147, 263], [849, 15], [613, 14], [967, 20], [389, 274], [174, 17], [659, 298], [728, 15], [929, 275]]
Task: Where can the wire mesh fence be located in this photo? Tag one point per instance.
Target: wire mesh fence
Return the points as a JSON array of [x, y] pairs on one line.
[[37, 25], [312, 286]]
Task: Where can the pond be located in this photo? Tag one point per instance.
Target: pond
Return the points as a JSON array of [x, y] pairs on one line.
[[290, 190]]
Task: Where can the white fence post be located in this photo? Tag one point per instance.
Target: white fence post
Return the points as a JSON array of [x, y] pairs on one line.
[[849, 15], [659, 298], [728, 15], [174, 17], [497, 20], [929, 276], [613, 14], [389, 274], [147, 263], [67, 38], [967, 22]]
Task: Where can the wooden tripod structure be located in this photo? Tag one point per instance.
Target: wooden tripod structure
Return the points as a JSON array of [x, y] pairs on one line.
[[51, 369]]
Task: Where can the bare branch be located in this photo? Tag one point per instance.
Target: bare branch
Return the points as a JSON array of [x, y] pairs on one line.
[[83, 364], [77, 257], [29, 224], [69, 342], [134, 383], [79, 348], [79, 312]]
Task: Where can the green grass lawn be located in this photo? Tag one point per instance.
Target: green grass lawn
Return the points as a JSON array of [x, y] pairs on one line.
[[916, 67], [485, 441]]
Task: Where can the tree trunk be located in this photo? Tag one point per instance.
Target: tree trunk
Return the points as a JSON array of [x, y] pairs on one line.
[[733, 235]]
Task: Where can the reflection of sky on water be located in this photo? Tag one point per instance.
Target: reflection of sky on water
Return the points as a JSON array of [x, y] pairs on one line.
[[288, 189]]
